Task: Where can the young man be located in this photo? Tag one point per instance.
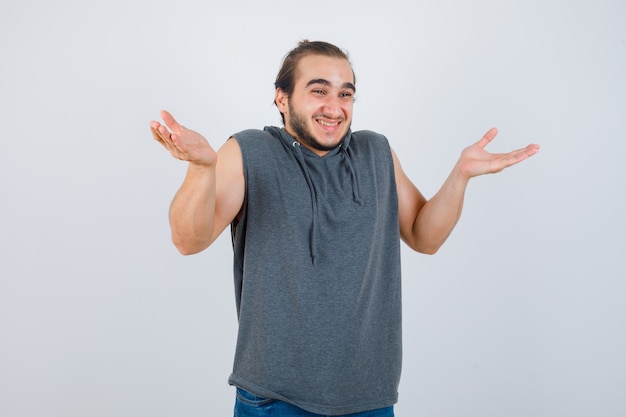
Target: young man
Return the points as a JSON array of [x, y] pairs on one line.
[[317, 213]]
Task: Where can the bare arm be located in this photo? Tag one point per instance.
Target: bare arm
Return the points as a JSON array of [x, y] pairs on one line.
[[212, 192], [426, 224]]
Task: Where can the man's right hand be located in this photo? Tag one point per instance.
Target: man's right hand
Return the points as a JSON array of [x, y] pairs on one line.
[[182, 143]]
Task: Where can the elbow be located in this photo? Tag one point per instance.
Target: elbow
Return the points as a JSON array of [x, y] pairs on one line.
[[424, 248], [187, 247], [427, 250], [185, 250], [428, 243]]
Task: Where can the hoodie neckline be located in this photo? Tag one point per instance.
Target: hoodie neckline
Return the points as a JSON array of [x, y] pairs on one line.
[[288, 139], [299, 152]]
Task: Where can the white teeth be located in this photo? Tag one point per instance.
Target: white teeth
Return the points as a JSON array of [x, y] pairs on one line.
[[327, 124]]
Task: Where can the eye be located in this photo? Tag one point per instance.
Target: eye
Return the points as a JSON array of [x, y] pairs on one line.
[[319, 91]]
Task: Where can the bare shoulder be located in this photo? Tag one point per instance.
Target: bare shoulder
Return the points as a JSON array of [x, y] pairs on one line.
[[410, 201], [229, 184], [229, 166], [399, 172], [229, 162], [230, 151]]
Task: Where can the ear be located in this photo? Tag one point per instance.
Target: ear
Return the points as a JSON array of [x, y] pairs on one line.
[[282, 100]]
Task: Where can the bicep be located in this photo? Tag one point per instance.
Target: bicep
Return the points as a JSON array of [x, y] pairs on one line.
[[229, 185], [410, 202]]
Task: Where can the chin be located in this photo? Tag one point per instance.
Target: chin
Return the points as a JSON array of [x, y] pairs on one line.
[[329, 143], [333, 138]]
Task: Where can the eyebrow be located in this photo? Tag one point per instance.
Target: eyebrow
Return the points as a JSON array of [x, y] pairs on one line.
[[328, 83]]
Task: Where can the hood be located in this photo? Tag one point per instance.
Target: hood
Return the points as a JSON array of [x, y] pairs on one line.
[[298, 151]]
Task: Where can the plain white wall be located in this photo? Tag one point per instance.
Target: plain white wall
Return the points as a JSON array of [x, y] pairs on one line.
[[522, 312]]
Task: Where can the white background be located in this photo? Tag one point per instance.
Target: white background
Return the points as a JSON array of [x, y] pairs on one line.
[[521, 313]]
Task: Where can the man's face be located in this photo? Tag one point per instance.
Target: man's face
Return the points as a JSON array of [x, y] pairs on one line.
[[319, 111]]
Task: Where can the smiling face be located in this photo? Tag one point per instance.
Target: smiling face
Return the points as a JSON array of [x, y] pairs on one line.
[[319, 111]]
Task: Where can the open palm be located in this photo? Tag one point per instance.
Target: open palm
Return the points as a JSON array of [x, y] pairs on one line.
[[475, 160], [183, 143]]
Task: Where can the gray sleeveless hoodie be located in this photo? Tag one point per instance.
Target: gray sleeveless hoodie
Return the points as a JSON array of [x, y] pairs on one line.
[[317, 273]]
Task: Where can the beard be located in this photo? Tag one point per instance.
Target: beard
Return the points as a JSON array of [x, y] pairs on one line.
[[298, 126]]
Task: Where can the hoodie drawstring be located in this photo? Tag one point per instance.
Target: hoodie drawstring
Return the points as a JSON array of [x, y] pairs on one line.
[[355, 187], [300, 158], [314, 207]]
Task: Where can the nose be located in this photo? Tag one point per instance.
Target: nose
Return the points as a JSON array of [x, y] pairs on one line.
[[332, 106]]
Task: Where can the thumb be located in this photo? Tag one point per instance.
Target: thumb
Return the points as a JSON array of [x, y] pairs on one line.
[[170, 121], [487, 137]]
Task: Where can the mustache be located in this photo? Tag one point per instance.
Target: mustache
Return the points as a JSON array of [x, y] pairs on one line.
[[325, 116]]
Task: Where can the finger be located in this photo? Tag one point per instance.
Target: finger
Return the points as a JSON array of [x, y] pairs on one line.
[[170, 121], [168, 140], [519, 155], [174, 144], [156, 130], [163, 136], [155, 133], [526, 152], [532, 149], [487, 137]]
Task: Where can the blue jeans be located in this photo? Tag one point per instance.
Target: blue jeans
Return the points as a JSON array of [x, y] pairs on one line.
[[250, 405]]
